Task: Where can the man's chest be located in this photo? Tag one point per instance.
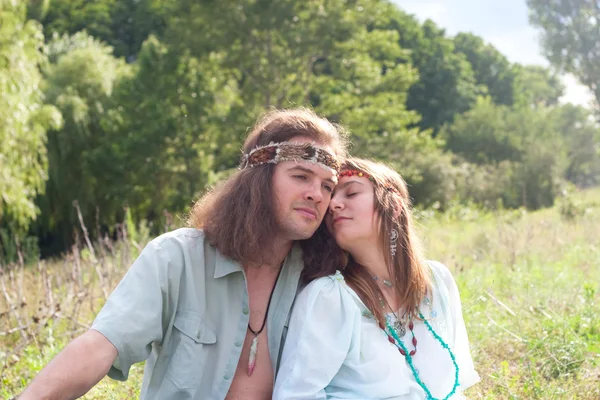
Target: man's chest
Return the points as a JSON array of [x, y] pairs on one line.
[[254, 374]]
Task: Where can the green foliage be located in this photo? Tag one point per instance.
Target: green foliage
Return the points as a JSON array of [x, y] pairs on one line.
[[182, 146], [122, 24], [15, 249], [536, 86], [491, 68], [482, 135], [581, 137], [524, 152], [37, 9], [447, 85], [24, 118], [569, 208], [79, 82], [570, 37], [462, 125]]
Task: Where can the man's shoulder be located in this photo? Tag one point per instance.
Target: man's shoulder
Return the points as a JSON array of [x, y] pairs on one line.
[[180, 238], [181, 234], [181, 246]]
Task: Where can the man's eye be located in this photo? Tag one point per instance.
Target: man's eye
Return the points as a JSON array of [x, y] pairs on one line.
[[301, 177], [328, 188], [351, 194]]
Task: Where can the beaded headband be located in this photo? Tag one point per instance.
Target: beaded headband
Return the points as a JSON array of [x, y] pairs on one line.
[[274, 153], [355, 172]]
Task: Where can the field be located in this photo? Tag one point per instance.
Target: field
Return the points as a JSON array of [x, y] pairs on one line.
[[529, 282]]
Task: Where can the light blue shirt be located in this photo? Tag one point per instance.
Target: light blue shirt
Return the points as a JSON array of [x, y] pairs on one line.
[[183, 306], [336, 350]]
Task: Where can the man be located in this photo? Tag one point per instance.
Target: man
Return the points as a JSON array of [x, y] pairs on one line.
[[207, 306]]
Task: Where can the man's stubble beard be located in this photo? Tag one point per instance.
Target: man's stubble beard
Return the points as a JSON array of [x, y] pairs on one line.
[[295, 231]]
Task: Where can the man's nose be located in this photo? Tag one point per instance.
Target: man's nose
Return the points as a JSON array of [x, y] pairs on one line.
[[314, 193]]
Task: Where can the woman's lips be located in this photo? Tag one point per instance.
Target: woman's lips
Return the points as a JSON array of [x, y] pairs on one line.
[[339, 219]]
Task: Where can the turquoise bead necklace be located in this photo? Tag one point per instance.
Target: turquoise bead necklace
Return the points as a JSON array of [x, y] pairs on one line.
[[408, 357]]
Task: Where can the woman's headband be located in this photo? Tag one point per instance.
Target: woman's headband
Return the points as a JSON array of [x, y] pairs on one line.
[[360, 174]]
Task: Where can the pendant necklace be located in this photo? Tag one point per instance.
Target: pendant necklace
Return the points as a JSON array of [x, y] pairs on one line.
[[386, 282], [399, 322], [254, 345]]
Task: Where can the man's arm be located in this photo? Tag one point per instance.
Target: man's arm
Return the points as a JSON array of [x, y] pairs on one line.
[[75, 370]]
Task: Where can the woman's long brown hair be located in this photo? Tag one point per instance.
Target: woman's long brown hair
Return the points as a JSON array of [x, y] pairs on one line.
[[407, 269]]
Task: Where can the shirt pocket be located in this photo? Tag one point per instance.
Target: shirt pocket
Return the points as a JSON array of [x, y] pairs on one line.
[[191, 343]]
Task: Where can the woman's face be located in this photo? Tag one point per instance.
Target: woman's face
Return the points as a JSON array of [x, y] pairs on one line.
[[352, 219]]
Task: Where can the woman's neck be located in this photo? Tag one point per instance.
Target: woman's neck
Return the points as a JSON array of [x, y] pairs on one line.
[[371, 257]]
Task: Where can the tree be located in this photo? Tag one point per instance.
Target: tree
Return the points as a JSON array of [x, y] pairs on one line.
[[269, 49], [571, 37], [581, 137], [523, 143], [37, 9], [481, 135], [535, 86], [80, 82], [163, 133], [446, 85], [491, 68], [122, 24], [24, 119]]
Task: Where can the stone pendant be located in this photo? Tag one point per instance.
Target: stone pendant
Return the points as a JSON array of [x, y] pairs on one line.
[[399, 328]]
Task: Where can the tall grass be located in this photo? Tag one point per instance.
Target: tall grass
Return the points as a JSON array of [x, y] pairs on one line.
[[530, 286], [529, 282]]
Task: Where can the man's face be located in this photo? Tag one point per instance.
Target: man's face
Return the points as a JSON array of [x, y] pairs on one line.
[[302, 191]]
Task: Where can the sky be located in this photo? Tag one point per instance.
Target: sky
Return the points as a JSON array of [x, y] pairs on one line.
[[503, 23]]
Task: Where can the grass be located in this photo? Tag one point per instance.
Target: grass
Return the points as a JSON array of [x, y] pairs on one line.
[[529, 282], [530, 289]]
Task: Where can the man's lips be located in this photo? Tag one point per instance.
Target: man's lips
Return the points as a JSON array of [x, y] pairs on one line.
[[307, 212]]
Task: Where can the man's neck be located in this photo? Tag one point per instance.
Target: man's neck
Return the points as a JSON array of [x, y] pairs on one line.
[[274, 254]]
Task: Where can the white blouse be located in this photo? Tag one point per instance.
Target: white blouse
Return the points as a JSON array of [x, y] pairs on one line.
[[336, 350]]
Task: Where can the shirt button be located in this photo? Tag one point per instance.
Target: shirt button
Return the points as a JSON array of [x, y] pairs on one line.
[[245, 311], [198, 335], [238, 343], [227, 377]]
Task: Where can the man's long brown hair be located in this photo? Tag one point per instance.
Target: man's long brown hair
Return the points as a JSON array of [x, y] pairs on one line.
[[407, 269], [238, 216]]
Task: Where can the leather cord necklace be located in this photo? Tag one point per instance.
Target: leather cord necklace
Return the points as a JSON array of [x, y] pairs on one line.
[[254, 345]]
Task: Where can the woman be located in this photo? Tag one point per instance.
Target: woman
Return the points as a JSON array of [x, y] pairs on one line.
[[389, 326]]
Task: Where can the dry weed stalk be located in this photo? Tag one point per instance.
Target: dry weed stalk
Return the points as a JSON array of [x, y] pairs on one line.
[[50, 292]]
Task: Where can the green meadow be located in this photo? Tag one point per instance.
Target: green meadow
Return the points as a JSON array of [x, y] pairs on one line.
[[529, 283]]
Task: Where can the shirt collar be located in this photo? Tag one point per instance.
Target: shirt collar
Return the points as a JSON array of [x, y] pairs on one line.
[[225, 266]]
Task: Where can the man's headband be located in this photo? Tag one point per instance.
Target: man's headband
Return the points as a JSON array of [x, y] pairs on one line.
[[274, 153]]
